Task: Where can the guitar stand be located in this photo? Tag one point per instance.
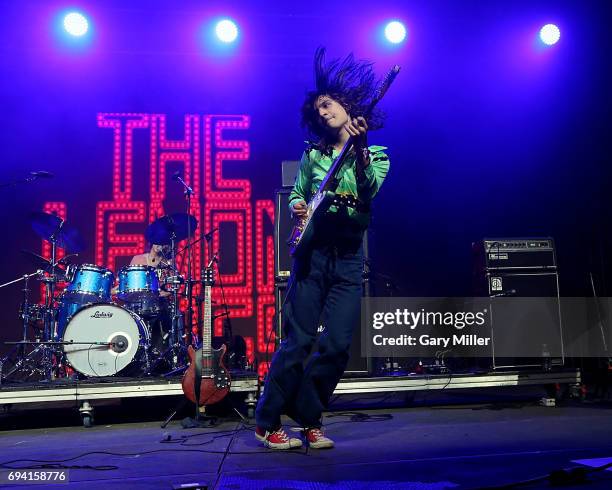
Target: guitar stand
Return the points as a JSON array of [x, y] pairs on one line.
[[200, 420], [179, 407]]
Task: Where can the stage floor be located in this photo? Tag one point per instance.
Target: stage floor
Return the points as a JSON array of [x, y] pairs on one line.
[[409, 448]]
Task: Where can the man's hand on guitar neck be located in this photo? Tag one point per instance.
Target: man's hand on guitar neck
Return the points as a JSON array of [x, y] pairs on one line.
[[357, 128]]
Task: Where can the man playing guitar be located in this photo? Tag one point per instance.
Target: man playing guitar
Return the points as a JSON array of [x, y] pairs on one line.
[[326, 283]]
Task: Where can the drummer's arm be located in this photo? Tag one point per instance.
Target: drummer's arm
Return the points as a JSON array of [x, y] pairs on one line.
[[139, 260]]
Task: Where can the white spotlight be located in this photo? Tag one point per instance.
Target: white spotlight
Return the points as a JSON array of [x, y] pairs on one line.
[[76, 24], [226, 30], [395, 32], [550, 34]]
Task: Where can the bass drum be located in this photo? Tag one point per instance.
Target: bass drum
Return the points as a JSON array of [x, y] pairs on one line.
[[123, 333]]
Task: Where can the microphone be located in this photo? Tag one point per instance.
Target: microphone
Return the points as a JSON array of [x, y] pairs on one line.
[[66, 259], [177, 176], [210, 234], [42, 174]]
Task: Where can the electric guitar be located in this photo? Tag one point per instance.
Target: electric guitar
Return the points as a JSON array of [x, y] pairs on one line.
[[207, 380], [304, 230]]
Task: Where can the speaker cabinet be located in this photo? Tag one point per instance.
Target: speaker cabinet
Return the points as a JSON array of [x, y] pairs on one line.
[[357, 365], [283, 224], [507, 331]]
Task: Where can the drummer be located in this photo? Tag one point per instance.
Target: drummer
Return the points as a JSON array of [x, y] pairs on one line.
[[156, 257]]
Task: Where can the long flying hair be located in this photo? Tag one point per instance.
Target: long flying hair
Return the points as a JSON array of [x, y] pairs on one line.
[[350, 82]]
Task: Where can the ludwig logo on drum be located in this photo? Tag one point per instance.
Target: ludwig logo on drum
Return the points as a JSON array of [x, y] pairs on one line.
[[101, 314]]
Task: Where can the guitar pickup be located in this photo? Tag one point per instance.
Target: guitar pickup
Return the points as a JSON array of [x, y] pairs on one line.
[[349, 201]]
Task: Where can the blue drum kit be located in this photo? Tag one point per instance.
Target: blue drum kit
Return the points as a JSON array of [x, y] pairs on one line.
[[102, 324]]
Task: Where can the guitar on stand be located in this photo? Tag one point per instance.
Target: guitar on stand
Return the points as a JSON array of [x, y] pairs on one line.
[[207, 380], [303, 232]]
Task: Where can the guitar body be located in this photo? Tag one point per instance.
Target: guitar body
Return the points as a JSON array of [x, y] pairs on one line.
[[207, 380], [302, 234], [214, 383]]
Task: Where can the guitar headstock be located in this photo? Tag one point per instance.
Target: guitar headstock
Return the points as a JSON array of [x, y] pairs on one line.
[[386, 83], [208, 276]]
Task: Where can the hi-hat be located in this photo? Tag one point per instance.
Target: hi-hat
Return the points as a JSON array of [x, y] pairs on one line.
[[39, 262]]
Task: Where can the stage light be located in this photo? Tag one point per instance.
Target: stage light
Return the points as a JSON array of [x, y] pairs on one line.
[[76, 24], [226, 30], [395, 32], [550, 34]]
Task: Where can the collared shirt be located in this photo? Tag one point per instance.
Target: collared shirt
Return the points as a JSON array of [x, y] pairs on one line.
[[314, 166]]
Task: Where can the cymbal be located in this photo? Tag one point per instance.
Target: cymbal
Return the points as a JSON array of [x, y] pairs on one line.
[[40, 262], [52, 228], [37, 260], [162, 230]]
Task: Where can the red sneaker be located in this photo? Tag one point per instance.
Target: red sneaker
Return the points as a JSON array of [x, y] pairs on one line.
[[277, 439], [317, 440]]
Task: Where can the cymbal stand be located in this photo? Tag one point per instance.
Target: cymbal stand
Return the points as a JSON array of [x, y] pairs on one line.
[[176, 348], [176, 310], [25, 316], [49, 315], [45, 347]]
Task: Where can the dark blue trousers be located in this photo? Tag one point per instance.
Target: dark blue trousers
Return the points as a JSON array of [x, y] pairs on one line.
[[325, 289]]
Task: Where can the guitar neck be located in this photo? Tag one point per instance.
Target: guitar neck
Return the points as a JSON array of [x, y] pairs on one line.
[[207, 353], [330, 182]]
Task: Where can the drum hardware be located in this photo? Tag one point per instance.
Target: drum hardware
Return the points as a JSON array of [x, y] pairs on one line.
[[54, 230], [169, 230], [25, 313], [117, 345], [173, 283], [45, 265]]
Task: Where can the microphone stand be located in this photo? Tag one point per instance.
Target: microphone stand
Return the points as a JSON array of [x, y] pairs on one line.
[[189, 286], [205, 236]]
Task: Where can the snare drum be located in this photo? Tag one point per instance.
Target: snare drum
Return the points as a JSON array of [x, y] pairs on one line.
[[124, 335], [138, 283], [89, 283]]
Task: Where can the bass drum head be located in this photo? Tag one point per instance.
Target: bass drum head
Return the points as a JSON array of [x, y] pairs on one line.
[[119, 330]]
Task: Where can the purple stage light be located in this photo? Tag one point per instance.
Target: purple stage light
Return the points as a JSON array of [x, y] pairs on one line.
[[226, 30], [76, 24], [395, 32], [550, 34]]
